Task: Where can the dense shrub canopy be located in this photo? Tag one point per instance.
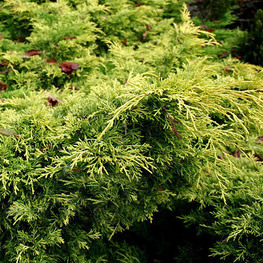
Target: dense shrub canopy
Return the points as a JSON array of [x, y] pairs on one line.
[[110, 111]]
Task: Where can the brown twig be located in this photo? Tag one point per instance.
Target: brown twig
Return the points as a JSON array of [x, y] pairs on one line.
[[173, 121]]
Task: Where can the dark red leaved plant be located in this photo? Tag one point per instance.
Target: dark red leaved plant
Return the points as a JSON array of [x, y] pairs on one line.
[[3, 86], [66, 38], [51, 61], [52, 101], [68, 67], [33, 52]]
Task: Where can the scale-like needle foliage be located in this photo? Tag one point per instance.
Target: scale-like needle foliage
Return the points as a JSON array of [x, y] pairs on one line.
[[111, 112]]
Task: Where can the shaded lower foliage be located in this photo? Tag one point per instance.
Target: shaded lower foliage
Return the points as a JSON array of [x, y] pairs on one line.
[[167, 239]]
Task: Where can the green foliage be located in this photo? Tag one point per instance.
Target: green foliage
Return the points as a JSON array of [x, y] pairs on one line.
[[234, 224], [237, 26], [252, 47], [230, 39], [211, 9], [135, 124]]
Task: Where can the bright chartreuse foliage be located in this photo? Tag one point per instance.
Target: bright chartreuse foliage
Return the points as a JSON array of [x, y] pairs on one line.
[[112, 112]]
